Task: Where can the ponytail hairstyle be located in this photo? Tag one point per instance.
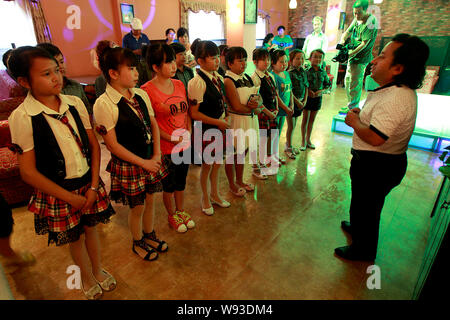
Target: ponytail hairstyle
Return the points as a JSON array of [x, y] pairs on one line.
[[205, 49], [21, 60], [157, 54], [112, 58]]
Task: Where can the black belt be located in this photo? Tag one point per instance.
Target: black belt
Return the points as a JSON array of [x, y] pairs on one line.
[[242, 114], [76, 183]]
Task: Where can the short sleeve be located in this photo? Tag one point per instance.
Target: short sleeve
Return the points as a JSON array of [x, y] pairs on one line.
[[146, 99], [105, 113], [290, 40], [21, 129], [196, 89], [82, 111]]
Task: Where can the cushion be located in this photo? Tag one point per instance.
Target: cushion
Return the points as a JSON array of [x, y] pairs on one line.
[[9, 166], [5, 134], [8, 105]]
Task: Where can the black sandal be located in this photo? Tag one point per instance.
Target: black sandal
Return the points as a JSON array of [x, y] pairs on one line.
[[152, 236], [144, 245]]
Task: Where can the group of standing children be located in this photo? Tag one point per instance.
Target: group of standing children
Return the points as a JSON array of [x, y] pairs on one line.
[[147, 130]]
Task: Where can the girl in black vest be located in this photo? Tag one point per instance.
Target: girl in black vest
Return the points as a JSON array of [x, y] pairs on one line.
[[208, 108], [125, 119], [60, 157]]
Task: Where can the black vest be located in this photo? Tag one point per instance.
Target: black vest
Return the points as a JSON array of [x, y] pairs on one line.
[[242, 83], [213, 104], [268, 93], [49, 158], [131, 131]]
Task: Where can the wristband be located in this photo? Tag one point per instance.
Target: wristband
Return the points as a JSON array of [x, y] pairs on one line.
[[93, 189]]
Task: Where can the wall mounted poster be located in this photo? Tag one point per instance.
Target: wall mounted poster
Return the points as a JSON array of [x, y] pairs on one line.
[[250, 11], [127, 11]]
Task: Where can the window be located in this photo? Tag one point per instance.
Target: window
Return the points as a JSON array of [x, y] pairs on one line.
[[15, 27], [261, 31], [206, 26]]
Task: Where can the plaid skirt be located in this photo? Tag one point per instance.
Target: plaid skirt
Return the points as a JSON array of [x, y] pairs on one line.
[[265, 122], [63, 223], [131, 183]]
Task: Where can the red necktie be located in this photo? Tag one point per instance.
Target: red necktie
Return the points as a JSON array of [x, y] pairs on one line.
[[63, 118]]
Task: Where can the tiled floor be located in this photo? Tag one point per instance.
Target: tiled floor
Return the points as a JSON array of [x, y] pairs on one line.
[[274, 244]]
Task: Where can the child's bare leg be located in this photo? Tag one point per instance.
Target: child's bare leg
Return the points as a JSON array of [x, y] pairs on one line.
[[93, 249], [289, 131], [215, 173], [148, 219], [305, 120], [81, 259], [168, 202], [204, 183], [135, 222], [179, 200], [310, 126]]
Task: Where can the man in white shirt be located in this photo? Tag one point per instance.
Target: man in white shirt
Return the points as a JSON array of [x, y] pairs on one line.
[[317, 39], [382, 130]]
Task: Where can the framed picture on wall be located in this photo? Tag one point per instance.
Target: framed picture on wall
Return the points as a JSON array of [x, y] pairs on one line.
[[250, 11], [127, 11]]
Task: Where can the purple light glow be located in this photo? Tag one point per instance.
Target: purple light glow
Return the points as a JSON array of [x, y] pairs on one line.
[[99, 15], [68, 34]]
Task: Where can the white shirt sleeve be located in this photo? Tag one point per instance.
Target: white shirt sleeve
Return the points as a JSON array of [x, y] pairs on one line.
[[21, 129], [106, 112], [196, 89]]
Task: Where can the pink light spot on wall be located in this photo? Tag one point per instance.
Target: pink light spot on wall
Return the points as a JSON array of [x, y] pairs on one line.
[[68, 34]]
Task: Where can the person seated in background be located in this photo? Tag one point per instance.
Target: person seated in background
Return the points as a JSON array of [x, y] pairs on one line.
[[10, 87], [283, 41], [70, 86], [183, 38], [267, 42], [223, 48], [183, 73], [170, 37], [135, 39]]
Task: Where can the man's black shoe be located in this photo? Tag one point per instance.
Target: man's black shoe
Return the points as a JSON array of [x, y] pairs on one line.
[[349, 253], [345, 225]]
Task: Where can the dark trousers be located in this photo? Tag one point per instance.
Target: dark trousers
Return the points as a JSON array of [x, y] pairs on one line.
[[373, 176]]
